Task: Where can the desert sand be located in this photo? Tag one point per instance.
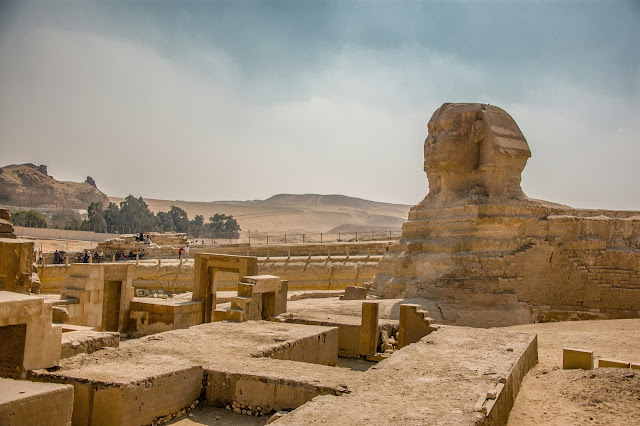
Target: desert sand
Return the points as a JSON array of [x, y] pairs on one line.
[[295, 213], [609, 396]]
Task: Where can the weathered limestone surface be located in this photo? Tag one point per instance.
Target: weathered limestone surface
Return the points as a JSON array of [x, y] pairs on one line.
[[487, 254], [255, 364], [439, 380], [302, 274], [39, 404], [6, 228], [99, 295], [149, 316], [83, 340], [16, 261], [27, 338]]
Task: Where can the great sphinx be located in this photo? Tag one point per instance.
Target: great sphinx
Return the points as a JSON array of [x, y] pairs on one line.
[[485, 254]]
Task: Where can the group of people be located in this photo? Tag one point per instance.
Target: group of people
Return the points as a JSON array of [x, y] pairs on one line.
[[83, 257], [144, 238], [59, 257], [183, 251]]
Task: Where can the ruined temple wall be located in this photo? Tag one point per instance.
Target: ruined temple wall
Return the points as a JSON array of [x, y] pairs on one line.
[[302, 273], [545, 268]]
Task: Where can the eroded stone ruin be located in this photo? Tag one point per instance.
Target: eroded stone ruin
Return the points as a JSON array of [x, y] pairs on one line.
[[487, 254], [476, 250]]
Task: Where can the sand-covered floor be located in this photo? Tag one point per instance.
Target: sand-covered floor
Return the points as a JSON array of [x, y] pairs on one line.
[[608, 396]]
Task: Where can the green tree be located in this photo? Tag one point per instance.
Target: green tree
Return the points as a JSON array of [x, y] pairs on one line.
[[196, 226], [166, 221], [31, 218], [135, 214], [96, 220], [180, 219], [223, 226], [111, 216], [90, 181], [66, 219]]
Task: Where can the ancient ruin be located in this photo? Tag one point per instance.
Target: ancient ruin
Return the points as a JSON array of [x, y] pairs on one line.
[[295, 334], [490, 256]]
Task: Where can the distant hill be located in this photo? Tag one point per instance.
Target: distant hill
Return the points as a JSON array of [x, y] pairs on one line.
[[297, 213], [28, 185]]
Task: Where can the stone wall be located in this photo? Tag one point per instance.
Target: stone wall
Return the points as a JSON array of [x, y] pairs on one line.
[[16, 260], [302, 273]]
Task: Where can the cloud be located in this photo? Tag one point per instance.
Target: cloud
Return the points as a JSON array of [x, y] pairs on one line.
[[193, 105]]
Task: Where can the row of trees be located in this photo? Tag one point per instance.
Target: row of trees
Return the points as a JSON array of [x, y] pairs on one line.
[[132, 216]]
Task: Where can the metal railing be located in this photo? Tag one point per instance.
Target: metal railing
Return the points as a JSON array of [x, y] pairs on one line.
[[321, 237]]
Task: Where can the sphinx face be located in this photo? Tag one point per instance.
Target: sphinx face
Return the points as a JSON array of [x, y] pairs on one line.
[[449, 146]]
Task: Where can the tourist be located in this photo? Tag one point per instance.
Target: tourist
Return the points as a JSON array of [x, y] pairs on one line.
[[180, 253], [56, 257], [186, 252]]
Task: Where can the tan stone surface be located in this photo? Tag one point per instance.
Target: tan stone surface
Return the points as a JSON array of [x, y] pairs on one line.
[[39, 404], [40, 340], [99, 295], [16, 260], [577, 358], [435, 381]]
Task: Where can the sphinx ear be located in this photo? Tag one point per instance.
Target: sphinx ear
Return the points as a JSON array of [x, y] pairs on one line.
[[477, 131]]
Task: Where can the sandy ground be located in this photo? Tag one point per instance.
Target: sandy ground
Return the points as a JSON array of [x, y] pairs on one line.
[[607, 396], [204, 414]]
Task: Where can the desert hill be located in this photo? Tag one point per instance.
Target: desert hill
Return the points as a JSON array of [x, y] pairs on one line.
[[296, 213], [28, 185]]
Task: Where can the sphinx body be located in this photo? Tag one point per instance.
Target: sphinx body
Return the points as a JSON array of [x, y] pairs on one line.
[[487, 255]]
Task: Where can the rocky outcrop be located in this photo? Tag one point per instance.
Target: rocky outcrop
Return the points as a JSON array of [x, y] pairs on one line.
[[6, 228], [27, 185], [491, 256]]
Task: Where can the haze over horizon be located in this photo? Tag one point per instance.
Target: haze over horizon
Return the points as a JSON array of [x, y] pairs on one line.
[[242, 100]]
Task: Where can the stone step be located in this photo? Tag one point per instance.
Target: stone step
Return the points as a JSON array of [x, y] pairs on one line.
[[219, 315], [236, 315], [239, 302]]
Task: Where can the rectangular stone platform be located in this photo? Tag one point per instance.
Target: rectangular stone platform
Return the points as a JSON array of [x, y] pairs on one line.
[[455, 375], [129, 393], [38, 404]]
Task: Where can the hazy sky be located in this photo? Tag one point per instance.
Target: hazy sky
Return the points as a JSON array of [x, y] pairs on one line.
[[219, 100]]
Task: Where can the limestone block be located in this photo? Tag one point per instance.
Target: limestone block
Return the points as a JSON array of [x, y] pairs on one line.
[[28, 340], [139, 397], [281, 298], [219, 315], [414, 324], [263, 283], [355, 293], [577, 358], [30, 403], [635, 365], [612, 363], [369, 328]]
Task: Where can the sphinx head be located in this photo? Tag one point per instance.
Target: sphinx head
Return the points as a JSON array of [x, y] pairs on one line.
[[474, 150]]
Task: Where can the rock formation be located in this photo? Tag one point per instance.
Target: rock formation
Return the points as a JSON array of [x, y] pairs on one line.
[[6, 228], [27, 185], [487, 254]]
